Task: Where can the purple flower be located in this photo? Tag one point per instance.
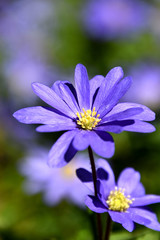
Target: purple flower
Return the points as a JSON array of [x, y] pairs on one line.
[[125, 201], [87, 112], [146, 85], [115, 18], [55, 183]]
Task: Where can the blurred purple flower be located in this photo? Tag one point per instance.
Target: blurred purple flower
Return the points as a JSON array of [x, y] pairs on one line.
[[55, 183], [125, 200], [146, 85], [115, 18], [86, 112]]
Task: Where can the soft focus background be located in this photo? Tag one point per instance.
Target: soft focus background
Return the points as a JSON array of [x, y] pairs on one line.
[[42, 41]]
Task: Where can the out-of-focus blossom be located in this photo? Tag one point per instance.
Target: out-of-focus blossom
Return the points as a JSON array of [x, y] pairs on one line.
[[146, 85], [87, 112], [125, 201], [108, 19], [55, 183], [24, 34]]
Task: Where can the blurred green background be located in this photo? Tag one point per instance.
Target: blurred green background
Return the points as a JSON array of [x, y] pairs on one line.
[[42, 41]]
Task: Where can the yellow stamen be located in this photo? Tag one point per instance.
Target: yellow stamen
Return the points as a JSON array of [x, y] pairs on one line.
[[117, 201], [88, 119]]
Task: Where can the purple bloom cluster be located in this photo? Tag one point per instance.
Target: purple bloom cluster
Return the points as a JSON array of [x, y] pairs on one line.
[[87, 112], [55, 183], [125, 201], [115, 18]]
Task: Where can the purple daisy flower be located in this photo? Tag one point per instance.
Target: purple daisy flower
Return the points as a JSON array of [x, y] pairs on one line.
[[55, 183], [87, 112], [115, 18], [125, 201]]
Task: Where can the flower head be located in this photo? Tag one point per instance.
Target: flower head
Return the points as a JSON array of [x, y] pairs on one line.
[[115, 18], [125, 200], [87, 112], [56, 184]]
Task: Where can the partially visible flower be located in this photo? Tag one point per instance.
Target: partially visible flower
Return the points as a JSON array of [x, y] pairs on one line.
[[146, 85], [115, 18], [56, 184], [87, 112], [125, 201]]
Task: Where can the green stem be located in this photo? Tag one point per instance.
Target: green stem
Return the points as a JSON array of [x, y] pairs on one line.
[[94, 175], [108, 228]]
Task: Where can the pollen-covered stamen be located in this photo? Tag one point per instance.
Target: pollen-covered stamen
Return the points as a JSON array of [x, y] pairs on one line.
[[88, 119], [117, 201]]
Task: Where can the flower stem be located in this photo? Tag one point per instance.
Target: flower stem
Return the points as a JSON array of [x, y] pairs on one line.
[[108, 228], [94, 175]]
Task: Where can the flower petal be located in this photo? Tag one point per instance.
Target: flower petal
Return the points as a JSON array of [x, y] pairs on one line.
[[128, 179], [126, 114], [94, 86], [140, 126], [58, 126], [82, 87], [39, 115], [86, 177], [126, 125], [122, 218], [69, 98], [114, 96], [108, 184], [107, 85], [139, 191], [146, 200], [81, 140], [62, 151], [138, 218], [95, 204], [145, 115], [51, 98], [154, 224], [102, 143]]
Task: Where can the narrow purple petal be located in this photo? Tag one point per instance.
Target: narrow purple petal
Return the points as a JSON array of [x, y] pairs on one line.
[[139, 191], [140, 219], [51, 98], [81, 140], [94, 86], [126, 114], [82, 87], [95, 204], [58, 126], [128, 179], [86, 177], [108, 184], [102, 143], [140, 126], [69, 98], [145, 115], [107, 85], [62, 151], [39, 115], [114, 96], [146, 200], [122, 218], [154, 224]]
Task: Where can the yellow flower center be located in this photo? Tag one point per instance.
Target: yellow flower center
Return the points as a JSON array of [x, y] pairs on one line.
[[68, 171], [88, 119], [117, 201]]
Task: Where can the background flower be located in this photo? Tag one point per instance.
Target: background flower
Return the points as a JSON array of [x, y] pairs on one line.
[[124, 200], [56, 184]]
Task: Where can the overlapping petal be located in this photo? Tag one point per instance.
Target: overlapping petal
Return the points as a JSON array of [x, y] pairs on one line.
[[39, 115], [62, 151], [123, 219], [128, 179], [82, 86], [95, 204], [51, 98]]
